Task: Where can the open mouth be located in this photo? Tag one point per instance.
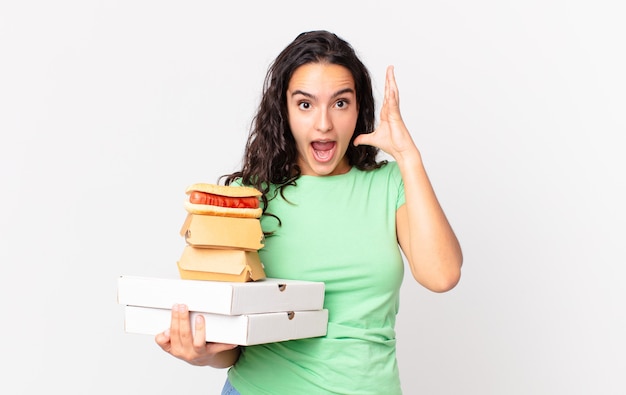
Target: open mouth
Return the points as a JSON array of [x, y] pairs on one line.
[[323, 150]]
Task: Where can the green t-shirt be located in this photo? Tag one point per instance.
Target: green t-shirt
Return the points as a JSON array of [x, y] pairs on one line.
[[340, 230]]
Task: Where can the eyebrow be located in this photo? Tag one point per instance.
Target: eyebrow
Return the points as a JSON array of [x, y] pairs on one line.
[[338, 93]]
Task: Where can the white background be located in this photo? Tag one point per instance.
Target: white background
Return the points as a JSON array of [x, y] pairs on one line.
[[109, 109]]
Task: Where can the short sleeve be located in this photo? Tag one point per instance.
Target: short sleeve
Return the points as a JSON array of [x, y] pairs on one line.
[[396, 184]]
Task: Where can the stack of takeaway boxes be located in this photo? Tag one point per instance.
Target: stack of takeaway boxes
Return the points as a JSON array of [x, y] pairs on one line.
[[223, 279]]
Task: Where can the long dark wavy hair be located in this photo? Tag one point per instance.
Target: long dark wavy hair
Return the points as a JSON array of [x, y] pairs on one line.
[[270, 155]]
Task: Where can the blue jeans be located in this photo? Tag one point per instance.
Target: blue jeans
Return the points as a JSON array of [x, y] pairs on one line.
[[229, 389]]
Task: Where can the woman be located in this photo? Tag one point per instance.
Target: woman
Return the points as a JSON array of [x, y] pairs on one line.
[[332, 213]]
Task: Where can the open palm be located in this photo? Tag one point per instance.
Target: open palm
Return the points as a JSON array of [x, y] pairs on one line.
[[391, 135]]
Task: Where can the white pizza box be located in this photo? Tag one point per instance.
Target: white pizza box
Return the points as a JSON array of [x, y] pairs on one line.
[[244, 330], [220, 297]]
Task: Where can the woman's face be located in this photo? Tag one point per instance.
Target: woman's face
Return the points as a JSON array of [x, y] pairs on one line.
[[322, 107]]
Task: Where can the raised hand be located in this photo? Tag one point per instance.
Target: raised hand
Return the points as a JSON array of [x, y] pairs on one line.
[[391, 135]]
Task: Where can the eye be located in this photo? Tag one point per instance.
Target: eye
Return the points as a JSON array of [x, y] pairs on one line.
[[304, 105], [341, 103]]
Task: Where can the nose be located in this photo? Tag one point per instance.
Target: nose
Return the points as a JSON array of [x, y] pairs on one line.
[[323, 122]]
